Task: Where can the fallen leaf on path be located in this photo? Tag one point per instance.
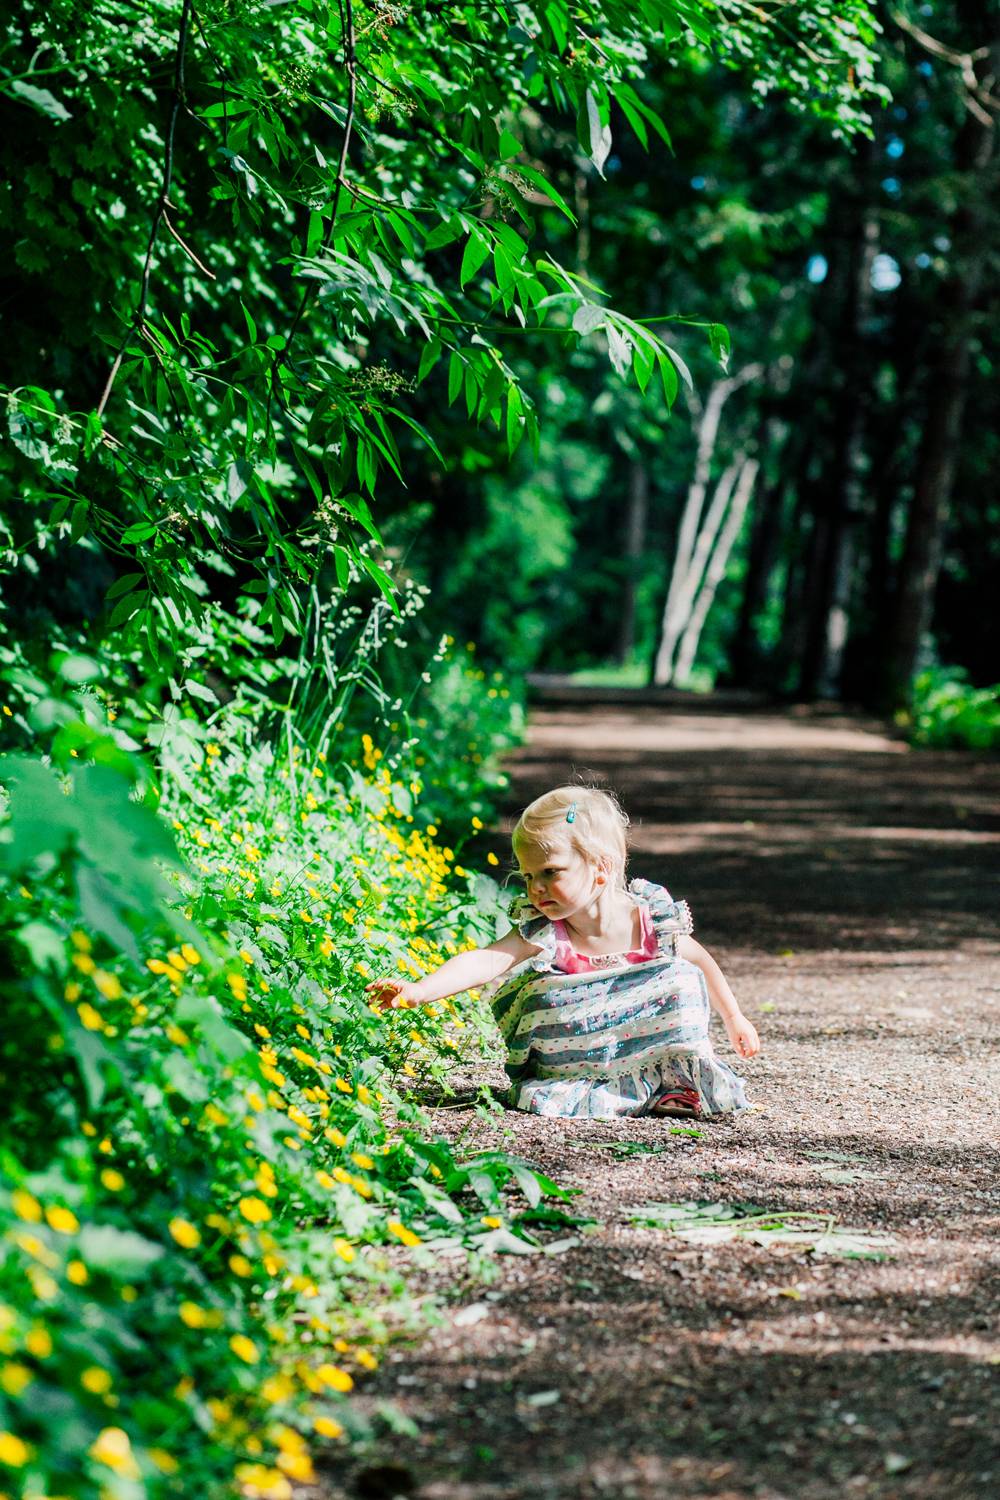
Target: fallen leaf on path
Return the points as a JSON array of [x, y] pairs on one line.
[[559, 1247], [502, 1242], [719, 1223], [897, 1463], [474, 1313], [542, 1398]]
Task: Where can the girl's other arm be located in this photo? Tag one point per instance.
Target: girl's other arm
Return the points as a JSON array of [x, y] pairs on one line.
[[742, 1033], [465, 971]]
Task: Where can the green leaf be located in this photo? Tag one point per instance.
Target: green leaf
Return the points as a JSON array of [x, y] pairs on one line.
[[476, 251], [402, 230], [45, 945], [78, 526], [456, 374], [634, 118], [127, 607], [231, 107], [669, 377], [123, 584], [314, 234], [251, 325], [444, 234], [503, 268], [429, 356], [544, 186], [643, 360], [420, 430], [718, 338], [306, 465], [685, 373], [140, 532], [117, 1252], [509, 145], [40, 99], [357, 506]]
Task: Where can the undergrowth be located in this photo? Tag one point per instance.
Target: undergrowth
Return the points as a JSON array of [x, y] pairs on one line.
[[947, 712], [214, 1173]]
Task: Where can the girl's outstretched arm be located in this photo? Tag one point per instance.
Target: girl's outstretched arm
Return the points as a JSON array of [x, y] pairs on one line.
[[465, 971], [742, 1033]]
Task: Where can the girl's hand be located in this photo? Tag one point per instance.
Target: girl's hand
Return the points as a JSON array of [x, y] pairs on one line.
[[743, 1035], [394, 994]]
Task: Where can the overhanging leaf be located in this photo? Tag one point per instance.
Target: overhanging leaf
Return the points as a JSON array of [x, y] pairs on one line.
[[40, 99]]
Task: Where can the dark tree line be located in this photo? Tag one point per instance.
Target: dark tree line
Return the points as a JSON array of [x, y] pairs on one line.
[[864, 281]]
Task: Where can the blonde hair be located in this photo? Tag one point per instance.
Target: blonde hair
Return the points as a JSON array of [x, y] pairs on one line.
[[590, 821]]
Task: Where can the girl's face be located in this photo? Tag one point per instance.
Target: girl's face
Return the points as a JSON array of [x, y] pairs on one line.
[[558, 880]]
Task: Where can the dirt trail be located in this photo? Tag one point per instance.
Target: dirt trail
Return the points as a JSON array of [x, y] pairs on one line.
[[636, 1365]]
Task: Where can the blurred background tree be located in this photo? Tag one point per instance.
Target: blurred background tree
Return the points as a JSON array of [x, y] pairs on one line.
[[862, 280], [854, 275]]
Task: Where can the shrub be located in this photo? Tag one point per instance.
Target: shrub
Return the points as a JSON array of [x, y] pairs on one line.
[[210, 1159], [946, 711]]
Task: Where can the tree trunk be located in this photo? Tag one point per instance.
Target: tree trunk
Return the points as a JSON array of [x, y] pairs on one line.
[[765, 539], [635, 546], [715, 572], [829, 589], [708, 429], [913, 604]]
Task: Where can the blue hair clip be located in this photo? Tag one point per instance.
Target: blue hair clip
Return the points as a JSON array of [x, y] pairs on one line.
[[571, 815]]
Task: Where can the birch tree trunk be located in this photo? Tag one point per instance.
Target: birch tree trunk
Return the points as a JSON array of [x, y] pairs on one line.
[[674, 614], [716, 570]]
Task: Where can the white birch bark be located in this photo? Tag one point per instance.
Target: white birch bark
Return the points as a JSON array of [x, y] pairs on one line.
[[708, 428], [688, 591], [716, 570]]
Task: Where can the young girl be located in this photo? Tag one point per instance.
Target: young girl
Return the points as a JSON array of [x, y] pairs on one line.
[[605, 998]]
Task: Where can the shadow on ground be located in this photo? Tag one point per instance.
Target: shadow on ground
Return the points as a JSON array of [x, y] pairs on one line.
[[637, 1365]]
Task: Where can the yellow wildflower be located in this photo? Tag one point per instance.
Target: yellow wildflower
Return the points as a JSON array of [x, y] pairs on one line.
[[184, 1233], [334, 1376], [113, 1449], [406, 1236], [13, 1452], [164, 1461], [39, 1342], [14, 1378], [254, 1210], [327, 1427], [25, 1206], [62, 1221]]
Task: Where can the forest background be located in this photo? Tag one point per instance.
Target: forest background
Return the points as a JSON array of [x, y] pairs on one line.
[[355, 362]]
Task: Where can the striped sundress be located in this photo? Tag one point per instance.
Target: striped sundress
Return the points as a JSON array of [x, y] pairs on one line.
[[610, 1041]]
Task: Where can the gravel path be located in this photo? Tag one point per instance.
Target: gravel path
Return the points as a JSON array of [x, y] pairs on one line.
[[637, 1365]]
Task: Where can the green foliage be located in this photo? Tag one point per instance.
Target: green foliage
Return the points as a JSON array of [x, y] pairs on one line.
[[207, 1136], [947, 712], [303, 192]]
